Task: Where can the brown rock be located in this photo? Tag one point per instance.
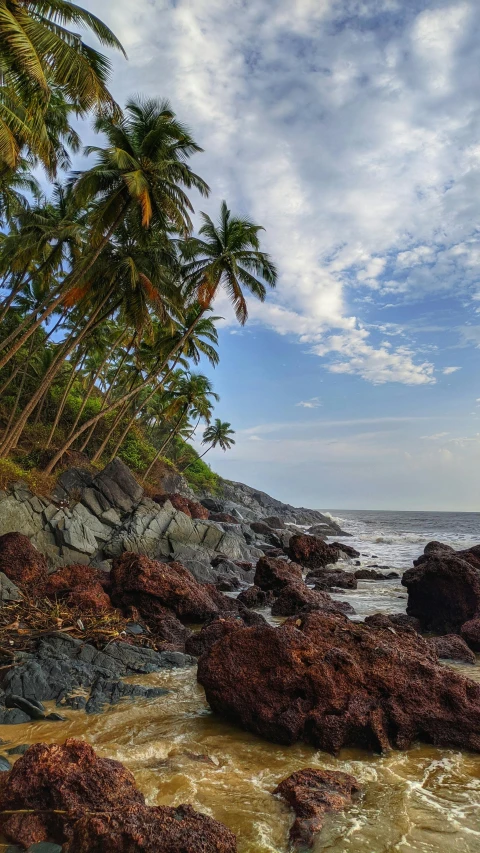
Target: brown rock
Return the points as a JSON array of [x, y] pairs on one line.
[[200, 642], [393, 620], [159, 829], [332, 683], [324, 579], [346, 549], [312, 794], [191, 508], [275, 522], [23, 564], [297, 597], [452, 647], [70, 778], [443, 592], [168, 631], [312, 552], [373, 575], [82, 587], [169, 584], [90, 598], [256, 597], [470, 632], [273, 573]]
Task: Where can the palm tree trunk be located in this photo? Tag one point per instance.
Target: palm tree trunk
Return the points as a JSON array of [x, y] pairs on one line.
[[13, 293], [40, 346], [63, 401], [165, 444], [195, 460], [107, 396], [137, 411], [75, 278], [20, 390], [94, 379], [11, 440]]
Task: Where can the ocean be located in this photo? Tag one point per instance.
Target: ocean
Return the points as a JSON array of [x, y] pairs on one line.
[[392, 540]]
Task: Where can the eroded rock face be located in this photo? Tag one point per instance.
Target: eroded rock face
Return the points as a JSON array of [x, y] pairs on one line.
[[69, 777], [272, 573], [312, 552], [22, 563], [471, 633], [452, 647], [324, 579], [101, 809], [135, 576], [443, 592], [312, 794], [191, 508], [199, 643], [151, 830], [393, 620], [333, 683], [81, 587], [256, 597], [297, 597]]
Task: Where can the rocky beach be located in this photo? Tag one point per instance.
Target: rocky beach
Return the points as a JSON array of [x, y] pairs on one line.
[[227, 650]]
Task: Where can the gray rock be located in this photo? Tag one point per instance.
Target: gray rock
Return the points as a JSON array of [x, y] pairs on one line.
[[45, 847], [118, 485], [32, 707], [5, 765], [8, 591], [15, 518]]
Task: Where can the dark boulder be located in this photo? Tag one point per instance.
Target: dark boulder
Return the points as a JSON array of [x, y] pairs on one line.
[[168, 631], [275, 522], [256, 597], [23, 564], [312, 552], [200, 642], [273, 573], [227, 583], [333, 683], [346, 549], [373, 575], [443, 592], [224, 517], [470, 632], [312, 794], [297, 598], [324, 579], [151, 830], [452, 647], [171, 585], [393, 620], [118, 486]]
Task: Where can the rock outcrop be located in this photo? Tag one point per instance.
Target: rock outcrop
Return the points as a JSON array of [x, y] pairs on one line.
[[332, 683], [444, 591], [297, 597], [312, 794], [140, 582], [60, 666], [452, 647], [328, 579], [71, 796], [189, 507], [22, 563], [471, 633], [312, 552], [274, 574]]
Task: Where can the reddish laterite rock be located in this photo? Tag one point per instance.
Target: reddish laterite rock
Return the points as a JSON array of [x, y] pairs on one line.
[[312, 552], [272, 573], [312, 794], [23, 564], [191, 508], [333, 683], [443, 592]]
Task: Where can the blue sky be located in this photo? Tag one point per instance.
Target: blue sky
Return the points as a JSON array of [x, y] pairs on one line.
[[350, 129]]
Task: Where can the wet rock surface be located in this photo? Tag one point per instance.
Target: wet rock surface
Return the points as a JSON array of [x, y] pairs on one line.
[[470, 632], [327, 579], [452, 647], [444, 590], [330, 682], [61, 667], [90, 804], [312, 794], [297, 598], [312, 552], [273, 573]]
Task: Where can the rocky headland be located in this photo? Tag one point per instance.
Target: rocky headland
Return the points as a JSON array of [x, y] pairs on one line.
[[101, 585]]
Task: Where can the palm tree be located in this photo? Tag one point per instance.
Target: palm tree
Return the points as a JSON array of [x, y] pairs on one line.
[[38, 53], [138, 177], [194, 397], [217, 434]]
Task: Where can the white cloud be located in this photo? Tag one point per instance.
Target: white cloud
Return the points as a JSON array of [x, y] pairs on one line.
[[448, 370], [313, 403], [436, 436], [355, 145]]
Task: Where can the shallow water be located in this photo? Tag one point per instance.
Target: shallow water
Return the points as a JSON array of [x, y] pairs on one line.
[[425, 800]]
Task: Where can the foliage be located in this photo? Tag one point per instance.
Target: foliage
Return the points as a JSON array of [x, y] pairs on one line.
[[106, 290], [38, 482]]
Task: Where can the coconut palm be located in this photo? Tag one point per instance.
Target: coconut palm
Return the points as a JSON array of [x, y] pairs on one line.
[[138, 177], [38, 53], [218, 434]]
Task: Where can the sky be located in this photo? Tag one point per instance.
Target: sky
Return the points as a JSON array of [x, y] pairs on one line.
[[349, 129]]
